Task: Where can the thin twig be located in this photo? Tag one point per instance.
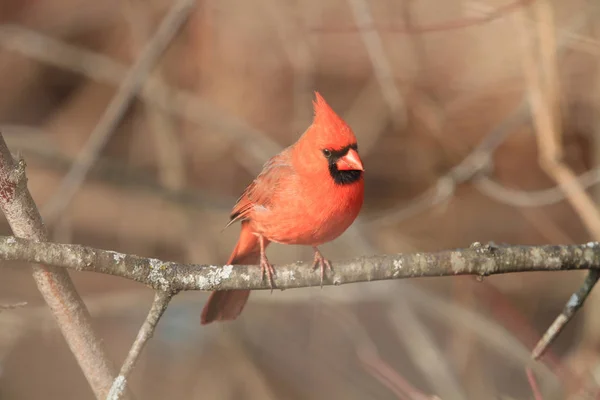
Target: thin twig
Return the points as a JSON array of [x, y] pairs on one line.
[[161, 301], [479, 260], [573, 305], [54, 284], [117, 107], [537, 394]]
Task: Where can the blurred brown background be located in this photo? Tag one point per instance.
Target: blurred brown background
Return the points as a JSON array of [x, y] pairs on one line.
[[421, 82]]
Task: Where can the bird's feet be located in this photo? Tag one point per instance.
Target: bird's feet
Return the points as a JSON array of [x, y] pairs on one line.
[[322, 262], [266, 270]]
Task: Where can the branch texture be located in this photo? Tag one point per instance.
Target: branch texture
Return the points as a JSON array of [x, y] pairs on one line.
[[481, 260], [54, 284], [159, 306]]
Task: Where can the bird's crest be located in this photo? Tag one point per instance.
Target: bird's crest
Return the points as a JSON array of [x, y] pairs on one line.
[[331, 128]]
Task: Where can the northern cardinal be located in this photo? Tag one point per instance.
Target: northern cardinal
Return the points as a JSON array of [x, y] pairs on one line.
[[308, 194]]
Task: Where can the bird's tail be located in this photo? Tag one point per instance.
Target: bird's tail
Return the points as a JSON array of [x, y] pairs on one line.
[[225, 305]]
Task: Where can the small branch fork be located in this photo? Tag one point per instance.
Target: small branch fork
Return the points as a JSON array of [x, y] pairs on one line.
[[24, 218], [54, 284]]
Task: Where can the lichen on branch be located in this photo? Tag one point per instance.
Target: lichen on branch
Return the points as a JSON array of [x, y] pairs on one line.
[[167, 276]]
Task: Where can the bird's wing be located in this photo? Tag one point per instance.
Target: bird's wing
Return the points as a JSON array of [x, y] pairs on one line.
[[260, 191]]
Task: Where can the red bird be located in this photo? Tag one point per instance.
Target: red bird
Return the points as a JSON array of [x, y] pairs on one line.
[[308, 194]]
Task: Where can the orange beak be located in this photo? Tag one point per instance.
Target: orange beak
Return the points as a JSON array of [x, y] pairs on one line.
[[350, 162]]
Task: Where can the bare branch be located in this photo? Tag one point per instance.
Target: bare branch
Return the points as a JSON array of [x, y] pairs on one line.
[[161, 301], [119, 104], [54, 284], [480, 260], [573, 305]]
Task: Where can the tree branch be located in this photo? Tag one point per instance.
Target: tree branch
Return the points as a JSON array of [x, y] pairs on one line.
[[54, 284], [481, 260], [159, 306], [573, 305]]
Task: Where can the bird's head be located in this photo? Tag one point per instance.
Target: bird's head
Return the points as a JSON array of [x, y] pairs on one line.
[[330, 142]]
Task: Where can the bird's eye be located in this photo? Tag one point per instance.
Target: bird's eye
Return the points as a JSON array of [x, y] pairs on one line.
[[327, 153]]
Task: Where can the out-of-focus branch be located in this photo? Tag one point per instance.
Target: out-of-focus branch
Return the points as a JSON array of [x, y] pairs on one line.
[[159, 306], [424, 352], [479, 159], [532, 198], [12, 306], [54, 284], [370, 359], [535, 389], [470, 167], [104, 69], [544, 98], [167, 147], [117, 107], [109, 170], [480, 260]]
